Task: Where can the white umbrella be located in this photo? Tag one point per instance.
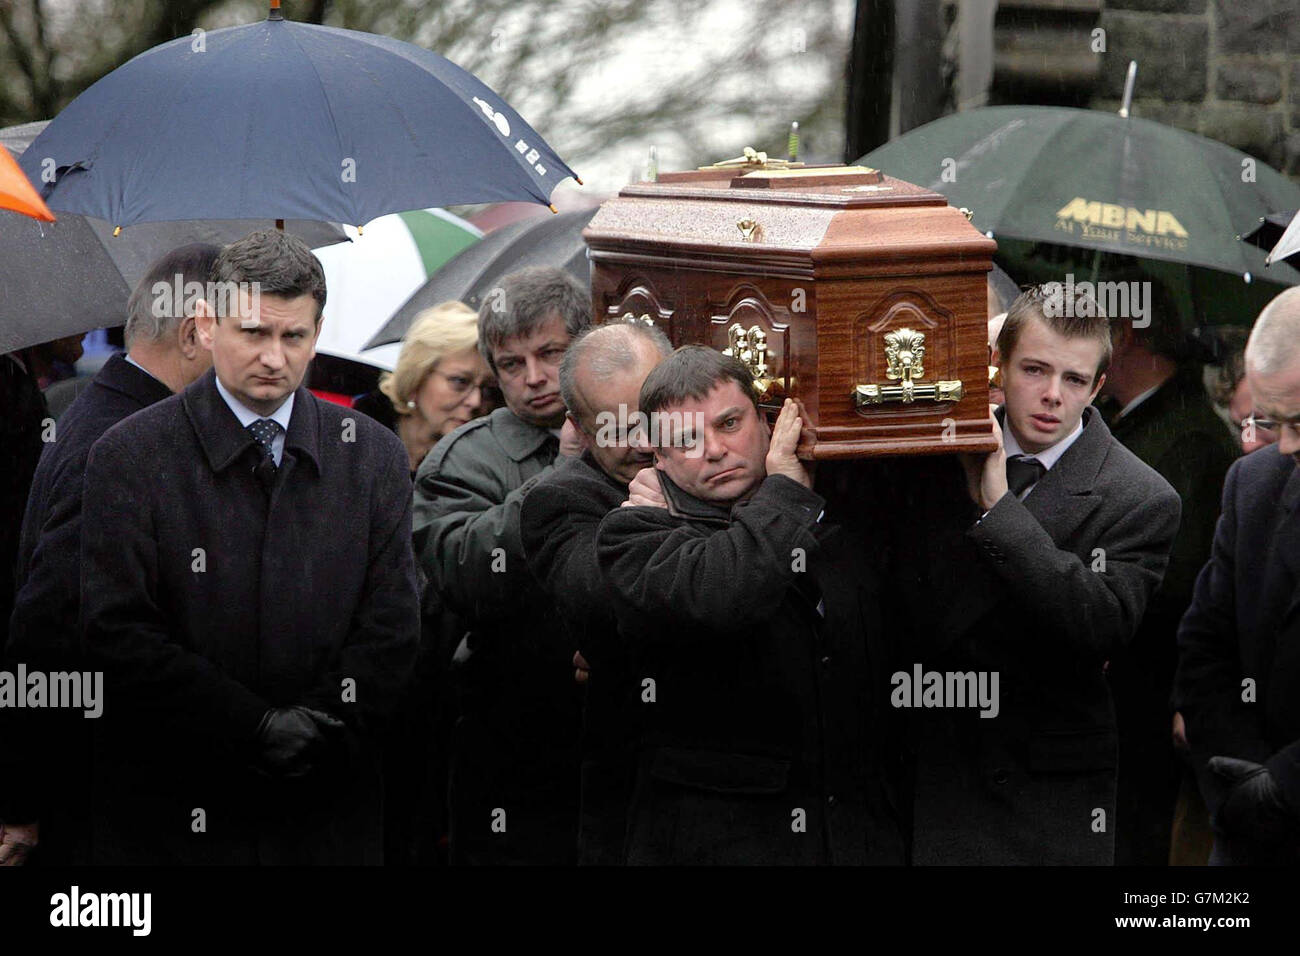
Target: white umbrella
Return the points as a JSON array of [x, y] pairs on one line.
[[370, 277]]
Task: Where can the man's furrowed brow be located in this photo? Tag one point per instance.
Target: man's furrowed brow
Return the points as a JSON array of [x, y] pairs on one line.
[[732, 412]]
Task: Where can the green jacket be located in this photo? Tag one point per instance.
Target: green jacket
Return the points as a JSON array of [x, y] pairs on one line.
[[468, 491]]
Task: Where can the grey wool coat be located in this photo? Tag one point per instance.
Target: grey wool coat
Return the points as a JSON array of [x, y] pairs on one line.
[[1043, 591]]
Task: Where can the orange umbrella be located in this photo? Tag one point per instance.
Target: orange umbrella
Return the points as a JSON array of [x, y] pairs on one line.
[[17, 192]]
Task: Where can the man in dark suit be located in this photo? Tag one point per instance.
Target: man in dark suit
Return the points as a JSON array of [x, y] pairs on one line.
[[1239, 643], [1047, 577], [513, 794], [163, 356], [248, 588], [749, 621], [1154, 403], [600, 379]]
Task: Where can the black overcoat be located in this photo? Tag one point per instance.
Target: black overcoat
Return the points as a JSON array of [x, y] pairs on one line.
[[207, 600], [43, 628]]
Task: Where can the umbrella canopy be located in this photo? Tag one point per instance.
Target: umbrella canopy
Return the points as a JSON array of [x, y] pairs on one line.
[[1096, 181], [368, 278], [74, 275], [17, 193], [554, 241], [288, 121]]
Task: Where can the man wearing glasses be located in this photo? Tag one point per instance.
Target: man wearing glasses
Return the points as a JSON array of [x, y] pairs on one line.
[[1239, 643]]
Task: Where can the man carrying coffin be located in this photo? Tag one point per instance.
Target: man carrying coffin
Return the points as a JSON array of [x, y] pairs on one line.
[[745, 613], [600, 379], [1045, 577]]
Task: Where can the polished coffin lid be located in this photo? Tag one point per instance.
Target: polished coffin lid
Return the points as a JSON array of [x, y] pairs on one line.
[[856, 237]]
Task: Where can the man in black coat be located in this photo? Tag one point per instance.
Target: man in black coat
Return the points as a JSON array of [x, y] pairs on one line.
[[1157, 407], [600, 379], [1047, 576], [1239, 643], [163, 356], [249, 589], [748, 619]]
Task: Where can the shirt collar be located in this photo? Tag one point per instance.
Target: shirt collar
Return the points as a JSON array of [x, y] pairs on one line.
[[127, 356], [1137, 401], [1048, 456], [247, 416]]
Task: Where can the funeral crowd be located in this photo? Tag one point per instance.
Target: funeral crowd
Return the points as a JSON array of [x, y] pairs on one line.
[[623, 617]]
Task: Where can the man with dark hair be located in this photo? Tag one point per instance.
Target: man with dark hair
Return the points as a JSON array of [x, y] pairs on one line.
[[600, 379], [249, 590], [1155, 404], [1237, 682], [514, 764], [1040, 578], [744, 614], [164, 356]]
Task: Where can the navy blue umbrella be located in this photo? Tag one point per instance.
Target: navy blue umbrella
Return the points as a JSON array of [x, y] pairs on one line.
[[287, 120]]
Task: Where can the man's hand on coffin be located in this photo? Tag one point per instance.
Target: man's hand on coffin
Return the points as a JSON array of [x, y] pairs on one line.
[[781, 451], [986, 475]]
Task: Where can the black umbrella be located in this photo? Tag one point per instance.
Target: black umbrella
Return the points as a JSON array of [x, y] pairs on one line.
[[552, 241], [59, 279]]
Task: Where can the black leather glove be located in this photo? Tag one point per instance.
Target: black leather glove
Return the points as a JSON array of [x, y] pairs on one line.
[[1254, 808], [292, 739]]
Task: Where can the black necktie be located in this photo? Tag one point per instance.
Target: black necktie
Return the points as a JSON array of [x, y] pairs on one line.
[[264, 431], [1023, 471]]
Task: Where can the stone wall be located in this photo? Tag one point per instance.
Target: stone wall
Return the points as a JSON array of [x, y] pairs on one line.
[[1227, 69]]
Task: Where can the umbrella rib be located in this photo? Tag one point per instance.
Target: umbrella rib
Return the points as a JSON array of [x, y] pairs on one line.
[[329, 108]]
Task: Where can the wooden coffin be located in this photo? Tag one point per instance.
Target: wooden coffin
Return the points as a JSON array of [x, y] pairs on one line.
[[862, 295]]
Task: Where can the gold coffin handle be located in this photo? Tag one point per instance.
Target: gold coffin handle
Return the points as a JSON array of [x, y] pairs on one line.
[[905, 357], [908, 392]]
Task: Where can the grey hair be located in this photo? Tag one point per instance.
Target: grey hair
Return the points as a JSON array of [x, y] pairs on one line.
[[606, 350], [527, 299], [280, 264], [1274, 342], [153, 314]]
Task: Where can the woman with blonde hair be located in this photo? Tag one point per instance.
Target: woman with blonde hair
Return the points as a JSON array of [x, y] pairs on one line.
[[440, 381]]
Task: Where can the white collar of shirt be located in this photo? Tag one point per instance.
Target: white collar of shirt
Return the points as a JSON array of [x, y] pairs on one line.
[[127, 356], [247, 416], [1048, 456], [1138, 401]]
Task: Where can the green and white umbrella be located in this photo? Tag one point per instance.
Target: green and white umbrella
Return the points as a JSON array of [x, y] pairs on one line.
[[370, 277]]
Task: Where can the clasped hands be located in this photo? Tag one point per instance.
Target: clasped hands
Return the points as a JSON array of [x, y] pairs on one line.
[[292, 740]]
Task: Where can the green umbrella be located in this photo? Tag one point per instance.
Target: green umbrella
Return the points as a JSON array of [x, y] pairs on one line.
[[1098, 181]]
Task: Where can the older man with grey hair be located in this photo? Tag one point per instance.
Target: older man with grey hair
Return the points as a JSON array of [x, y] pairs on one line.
[[513, 791], [163, 356], [601, 379], [1238, 684]]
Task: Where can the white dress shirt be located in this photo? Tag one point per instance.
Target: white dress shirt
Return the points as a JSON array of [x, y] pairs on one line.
[[247, 416]]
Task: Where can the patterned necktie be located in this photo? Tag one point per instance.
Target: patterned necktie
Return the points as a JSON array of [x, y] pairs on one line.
[[264, 431], [1023, 471]]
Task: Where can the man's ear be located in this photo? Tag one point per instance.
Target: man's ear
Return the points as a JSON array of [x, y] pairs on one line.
[[1101, 380], [586, 440], [204, 323], [187, 338]]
